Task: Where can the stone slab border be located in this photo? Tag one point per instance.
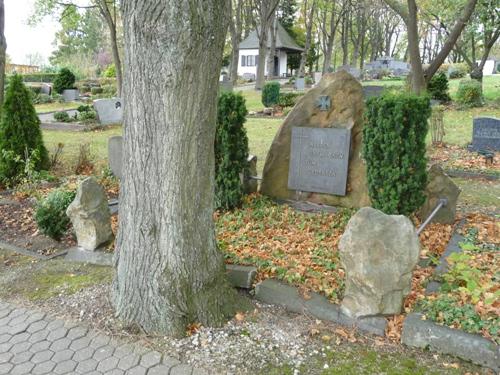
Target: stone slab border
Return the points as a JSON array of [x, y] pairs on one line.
[[23, 251], [426, 334], [274, 292], [468, 174]]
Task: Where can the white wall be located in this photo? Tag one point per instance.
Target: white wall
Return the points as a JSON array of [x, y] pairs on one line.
[[282, 56]]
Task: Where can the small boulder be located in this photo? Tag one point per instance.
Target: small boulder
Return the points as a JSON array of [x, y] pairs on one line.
[[378, 253], [440, 186], [250, 185], [90, 216]]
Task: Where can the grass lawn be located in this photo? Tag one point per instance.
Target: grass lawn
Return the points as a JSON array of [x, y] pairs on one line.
[[54, 107]]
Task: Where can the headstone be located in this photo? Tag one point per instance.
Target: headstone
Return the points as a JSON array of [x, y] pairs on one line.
[[355, 72], [248, 76], [319, 160], [378, 253], [317, 77], [250, 183], [225, 86], [115, 150], [70, 95], [109, 111], [440, 186], [300, 84], [90, 216], [345, 117], [46, 89], [486, 134], [371, 91]]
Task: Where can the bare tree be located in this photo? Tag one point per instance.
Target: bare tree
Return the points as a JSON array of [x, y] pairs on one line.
[[169, 272], [409, 14], [265, 10], [235, 30], [309, 15]]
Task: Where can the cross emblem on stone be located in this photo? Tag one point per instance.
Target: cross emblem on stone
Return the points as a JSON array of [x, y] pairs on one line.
[[323, 103]]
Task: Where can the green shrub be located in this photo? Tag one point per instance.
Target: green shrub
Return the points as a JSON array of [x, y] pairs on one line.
[[271, 94], [394, 151], [308, 80], [231, 150], [109, 90], [65, 80], [87, 116], [289, 99], [57, 97], [109, 72], [42, 99], [62, 116], [96, 90], [35, 90], [84, 108], [51, 215], [20, 134], [438, 87], [470, 93], [459, 70]]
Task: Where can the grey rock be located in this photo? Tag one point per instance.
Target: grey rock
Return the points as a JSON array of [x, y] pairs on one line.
[[274, 292], [109, 111], [241, 276], [90, 216], [300, 84], [378, 253], [70, 95], [426, 334], [440, 186], [251, 185], [115, 152]]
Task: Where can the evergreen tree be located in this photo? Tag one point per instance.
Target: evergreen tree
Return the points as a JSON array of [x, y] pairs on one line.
[[20, 134]]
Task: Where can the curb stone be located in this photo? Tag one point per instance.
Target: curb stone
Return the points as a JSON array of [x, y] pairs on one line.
[[23, 251], [426, 334], [241, 276], [274, 292]]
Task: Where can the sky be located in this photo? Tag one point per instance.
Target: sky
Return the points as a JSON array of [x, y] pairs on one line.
[[23, 39]]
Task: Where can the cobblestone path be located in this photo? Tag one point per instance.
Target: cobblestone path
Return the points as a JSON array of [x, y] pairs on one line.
[[32, 342]]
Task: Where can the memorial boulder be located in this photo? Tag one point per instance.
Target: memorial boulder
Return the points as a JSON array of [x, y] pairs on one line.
[[316, 154]]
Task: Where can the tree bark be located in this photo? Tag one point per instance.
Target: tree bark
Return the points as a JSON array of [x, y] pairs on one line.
[[309, 18], [235, 27], [417, 73], [3, 48], [111, 22], [266, 9], [169, 272], [272, 49]]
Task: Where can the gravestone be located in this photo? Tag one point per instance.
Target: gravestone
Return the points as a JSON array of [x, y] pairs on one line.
[[355, 72], [115, 151], [300, 84], [225, 86], [317, 77], [485, 134], [109, 111], [70, 95], [371, 91], [319, 160], [328, 169], [46, 89]]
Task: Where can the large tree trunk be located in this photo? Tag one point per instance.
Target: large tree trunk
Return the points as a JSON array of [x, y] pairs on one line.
[[309, 18], [169, 272], [3, 47], [111, 22], [417, 73], [266, 9], [272, 50]]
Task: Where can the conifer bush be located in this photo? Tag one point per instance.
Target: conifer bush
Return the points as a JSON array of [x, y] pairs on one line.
[[231, 150], [65, 80], [470, 93], [438, 87], [20, 134], [50, 214], [271, 94], [394, 151]]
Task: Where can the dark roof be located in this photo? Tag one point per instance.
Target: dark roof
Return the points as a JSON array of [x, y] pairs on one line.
[[283, 40]]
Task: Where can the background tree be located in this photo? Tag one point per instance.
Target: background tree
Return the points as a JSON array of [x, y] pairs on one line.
[[169, 272], [265, 10], [235, 30], [409, 14], [309, 12], [3, 47], [20, 134]]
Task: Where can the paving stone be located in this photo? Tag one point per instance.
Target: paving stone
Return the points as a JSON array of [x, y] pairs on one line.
[[42, 356], [86, 366], [44, 368], [5, 357], [107, 364], [65, 367], [22, 369], [33, 343]]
